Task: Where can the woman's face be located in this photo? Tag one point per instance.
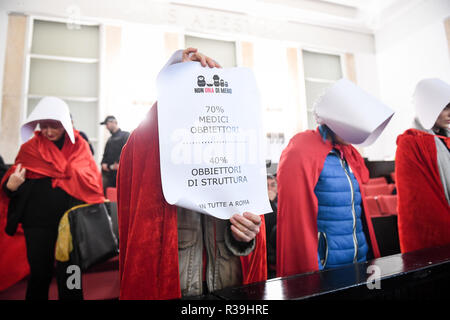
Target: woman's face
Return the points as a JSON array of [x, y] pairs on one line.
[[443, 121], [52, 129]]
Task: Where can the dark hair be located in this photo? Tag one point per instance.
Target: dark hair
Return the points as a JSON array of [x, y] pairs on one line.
[[328, 132]]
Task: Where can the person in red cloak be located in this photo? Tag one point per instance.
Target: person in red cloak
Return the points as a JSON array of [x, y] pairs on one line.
[[53, 171], [168, 252], [422, 170], [321, 219]]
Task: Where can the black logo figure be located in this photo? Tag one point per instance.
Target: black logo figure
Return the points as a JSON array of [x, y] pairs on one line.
[[201, 81], [216, 79], [217, 82]]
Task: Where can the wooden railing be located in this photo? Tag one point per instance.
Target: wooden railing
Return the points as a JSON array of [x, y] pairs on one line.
[[422, 274]]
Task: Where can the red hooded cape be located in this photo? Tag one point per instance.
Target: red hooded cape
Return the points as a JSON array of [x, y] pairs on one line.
[[148, 231], [423, 210], [298, 172], [72, 169]]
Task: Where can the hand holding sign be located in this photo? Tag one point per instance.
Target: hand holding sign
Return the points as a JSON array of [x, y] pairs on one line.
[[191, 54], [245, 227]]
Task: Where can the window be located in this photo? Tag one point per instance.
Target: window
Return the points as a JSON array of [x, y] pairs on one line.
[[271, 72], [64, 62], [224, 52], [321, 71]]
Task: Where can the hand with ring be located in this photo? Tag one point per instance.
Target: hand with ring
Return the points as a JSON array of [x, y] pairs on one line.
[[245, 227]]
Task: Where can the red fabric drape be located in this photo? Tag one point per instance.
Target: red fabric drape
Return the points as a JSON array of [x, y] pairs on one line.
[[148, 224], [298, 172], [423, 210], [72, 169]]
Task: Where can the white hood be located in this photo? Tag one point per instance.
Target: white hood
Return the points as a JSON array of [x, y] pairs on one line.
[[352, 114], [430, 98], [49, 108]]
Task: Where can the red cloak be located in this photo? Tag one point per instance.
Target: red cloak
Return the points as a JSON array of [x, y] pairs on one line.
[[298, 172], [72, 169], [148, 231], [423, 210]]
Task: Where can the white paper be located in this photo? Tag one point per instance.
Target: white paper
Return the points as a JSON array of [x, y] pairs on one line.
[[48, 108], [430, 97], [211, 140], [352, 114]]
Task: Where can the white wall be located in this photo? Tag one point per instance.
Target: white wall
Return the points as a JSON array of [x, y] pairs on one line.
[[198, 20], [3, 33], [367, 73], [166, 16], [140, 63], [410, 48]]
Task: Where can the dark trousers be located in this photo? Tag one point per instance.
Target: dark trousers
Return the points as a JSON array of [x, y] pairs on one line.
[[109, 179], [40, 242]]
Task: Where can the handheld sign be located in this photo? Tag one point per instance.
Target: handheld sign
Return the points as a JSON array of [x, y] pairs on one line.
[[211, 140]]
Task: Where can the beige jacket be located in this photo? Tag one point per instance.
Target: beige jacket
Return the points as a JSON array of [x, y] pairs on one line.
[[223, 266]]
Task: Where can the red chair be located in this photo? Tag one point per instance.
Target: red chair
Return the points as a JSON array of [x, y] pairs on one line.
[[377, 190], [388, 204], [111, 194], [393, 176], [377, 181], [372, 206]]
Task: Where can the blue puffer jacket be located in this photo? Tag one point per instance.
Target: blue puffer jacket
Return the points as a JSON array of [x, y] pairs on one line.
[[339, 223]]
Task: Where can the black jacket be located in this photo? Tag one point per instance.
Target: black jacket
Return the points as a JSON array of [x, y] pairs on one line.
[[114, 146], [85, 137], [3, 168], [37, 204]]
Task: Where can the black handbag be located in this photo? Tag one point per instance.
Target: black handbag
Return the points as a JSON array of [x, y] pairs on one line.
[[112, 210], [92, 235]]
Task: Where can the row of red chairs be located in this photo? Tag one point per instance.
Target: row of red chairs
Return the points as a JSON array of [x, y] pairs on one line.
[[111, 194], [378, 189], [379, 198], [381, 180], [377, 181], [382, 205]]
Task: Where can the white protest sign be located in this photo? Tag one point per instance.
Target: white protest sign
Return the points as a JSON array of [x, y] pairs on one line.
[[211, 140]]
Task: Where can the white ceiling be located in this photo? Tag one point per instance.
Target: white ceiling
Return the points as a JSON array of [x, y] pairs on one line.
[[353, 3], [358, 15], [374, 5], [364, 16]]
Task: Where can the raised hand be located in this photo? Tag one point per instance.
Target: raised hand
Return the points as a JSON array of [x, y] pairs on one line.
[[16, 179]]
